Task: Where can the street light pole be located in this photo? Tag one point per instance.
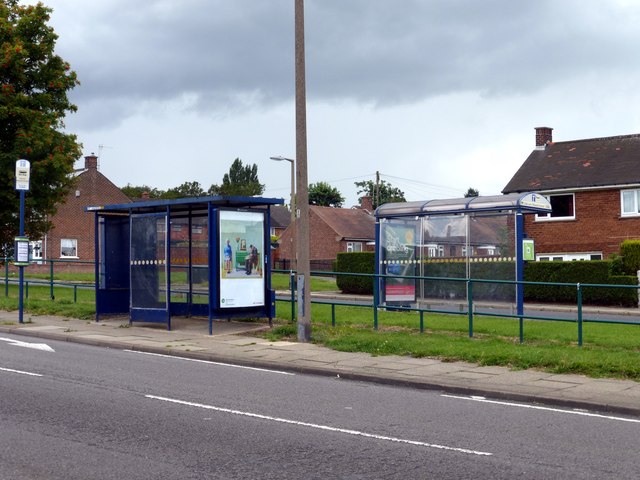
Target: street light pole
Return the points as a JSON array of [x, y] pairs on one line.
[[302, 190], [292, 207]]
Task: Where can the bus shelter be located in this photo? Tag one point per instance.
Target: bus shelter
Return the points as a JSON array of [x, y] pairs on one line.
[[450, 242], [203, 256]]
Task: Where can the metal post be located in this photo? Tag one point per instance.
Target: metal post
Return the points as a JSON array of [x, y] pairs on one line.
[[520, 272], [51, 280], [470, 306], [21, 268], [292, 286], [579, 314], [302, 184]]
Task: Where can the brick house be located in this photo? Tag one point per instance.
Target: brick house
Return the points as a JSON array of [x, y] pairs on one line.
[[71, 236], [331, 230], [593, 186]]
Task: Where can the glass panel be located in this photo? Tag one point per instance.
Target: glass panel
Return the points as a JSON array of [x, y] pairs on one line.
[[628, 201], [179, 259], [399, 244], [148, 261], [200, 259]]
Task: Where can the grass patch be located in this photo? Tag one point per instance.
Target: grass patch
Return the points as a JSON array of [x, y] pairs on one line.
[[608, 350]]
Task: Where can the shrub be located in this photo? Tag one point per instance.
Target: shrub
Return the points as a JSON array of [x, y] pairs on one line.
[[355, 262], [630, 251]]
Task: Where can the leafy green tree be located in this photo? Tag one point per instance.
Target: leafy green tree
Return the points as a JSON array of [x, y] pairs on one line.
[[34, 83], [187, 189], [136, 191], [472, 192], [383, 191], [324, 195], [241, 180]]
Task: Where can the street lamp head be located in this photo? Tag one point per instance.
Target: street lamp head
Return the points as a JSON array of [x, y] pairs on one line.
[[280, 158]]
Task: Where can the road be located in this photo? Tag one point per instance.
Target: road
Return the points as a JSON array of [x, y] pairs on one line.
[[73, 411]]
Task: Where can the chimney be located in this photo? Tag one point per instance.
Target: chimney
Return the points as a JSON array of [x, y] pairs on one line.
[[366, 203], [543, 137], [91, 162]]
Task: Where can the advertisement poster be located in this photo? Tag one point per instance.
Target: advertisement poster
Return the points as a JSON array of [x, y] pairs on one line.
[[242, 282], [398, 245]]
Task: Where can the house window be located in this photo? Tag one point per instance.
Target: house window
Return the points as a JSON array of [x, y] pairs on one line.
[[354, 246], [35, 250], [196, 229], [630, 201], [569, 257], [69, 247], [562, 207]]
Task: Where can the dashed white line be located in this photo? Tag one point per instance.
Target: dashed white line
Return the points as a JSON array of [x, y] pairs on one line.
[[319, 427], [11, 370], [210, 362], [548, 409]]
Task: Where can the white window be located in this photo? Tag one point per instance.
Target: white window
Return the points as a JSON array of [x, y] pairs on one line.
[[562, 207], [35, 250], [569, 257], [630, 202], [69, 247], [354, 246]]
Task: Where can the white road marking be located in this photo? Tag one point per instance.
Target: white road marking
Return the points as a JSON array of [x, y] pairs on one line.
[[11, 370], [36, 346], [548, 409], [319, 427], [209, 362]]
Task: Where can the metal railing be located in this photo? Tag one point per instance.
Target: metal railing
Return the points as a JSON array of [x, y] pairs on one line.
[[469, 310]]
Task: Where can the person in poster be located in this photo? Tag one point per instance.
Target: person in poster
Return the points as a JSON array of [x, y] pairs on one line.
[[228, 254]]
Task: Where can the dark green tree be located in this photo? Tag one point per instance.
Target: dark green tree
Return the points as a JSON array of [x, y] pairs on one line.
[[472, 192], [187, 189], [324, 195], [241, 180], [34, 83], [383, 191], [136, 191]]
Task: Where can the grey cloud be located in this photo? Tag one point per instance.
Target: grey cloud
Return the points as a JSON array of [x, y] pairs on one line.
[[378, 52]]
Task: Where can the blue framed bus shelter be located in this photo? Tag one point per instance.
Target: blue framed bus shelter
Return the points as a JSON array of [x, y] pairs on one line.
[[202, 256]]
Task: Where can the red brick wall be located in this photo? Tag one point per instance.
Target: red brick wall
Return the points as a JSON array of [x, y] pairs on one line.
[[72, 222], [598, 226]]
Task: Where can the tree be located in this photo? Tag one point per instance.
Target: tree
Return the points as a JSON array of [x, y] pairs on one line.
[[324, 195], [34, 83], [472, 192], [187, 189], [136, 191], [383, 191], [241, 180]]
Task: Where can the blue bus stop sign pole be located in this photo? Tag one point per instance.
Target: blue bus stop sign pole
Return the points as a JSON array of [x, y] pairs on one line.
[[23, 172]]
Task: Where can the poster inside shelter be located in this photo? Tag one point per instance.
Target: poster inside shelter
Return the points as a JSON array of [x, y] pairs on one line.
[[242, 280]]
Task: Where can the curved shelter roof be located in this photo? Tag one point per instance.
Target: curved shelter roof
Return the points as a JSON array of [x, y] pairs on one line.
[[528, 202]]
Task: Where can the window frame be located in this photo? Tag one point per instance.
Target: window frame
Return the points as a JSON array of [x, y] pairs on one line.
[[74, 242], [636, 212], [546, 217]]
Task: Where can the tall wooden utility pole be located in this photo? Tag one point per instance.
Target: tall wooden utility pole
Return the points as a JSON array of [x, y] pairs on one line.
[[302, 184]]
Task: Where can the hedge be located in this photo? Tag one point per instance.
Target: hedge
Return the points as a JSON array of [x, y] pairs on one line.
[[583, 272]]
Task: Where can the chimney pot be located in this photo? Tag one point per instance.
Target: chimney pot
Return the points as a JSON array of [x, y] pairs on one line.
[[544, 136], [91, 162]]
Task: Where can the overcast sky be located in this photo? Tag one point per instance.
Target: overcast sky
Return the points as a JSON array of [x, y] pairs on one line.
[[436, 95]]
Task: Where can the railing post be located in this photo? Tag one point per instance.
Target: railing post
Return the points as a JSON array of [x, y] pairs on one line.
[[333, 314], [470, 306], [75, 294], [292, 286], [6, 277], [375, 302], [26, 293], [51, 279], [579, 314], [421, 321]]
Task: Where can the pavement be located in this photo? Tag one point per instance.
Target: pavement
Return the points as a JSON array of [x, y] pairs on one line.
[[239, 343]]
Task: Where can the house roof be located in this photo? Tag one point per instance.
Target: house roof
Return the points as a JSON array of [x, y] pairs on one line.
[[595, 162], [348, 223], [280, 216]]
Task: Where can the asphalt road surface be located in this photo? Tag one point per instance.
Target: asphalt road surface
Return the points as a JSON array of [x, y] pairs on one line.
[[70, 411]]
